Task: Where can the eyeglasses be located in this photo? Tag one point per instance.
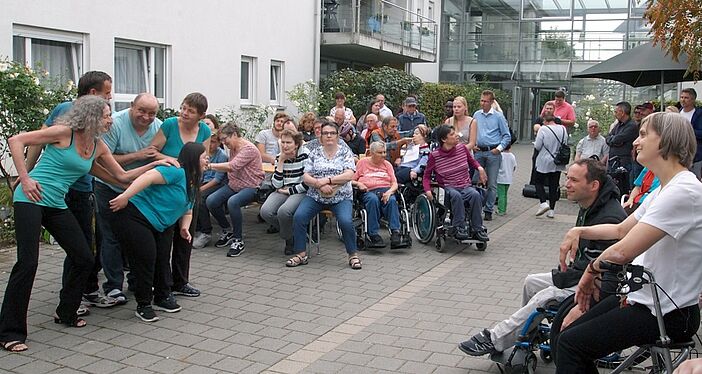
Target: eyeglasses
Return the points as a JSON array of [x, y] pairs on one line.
[[329, 133]]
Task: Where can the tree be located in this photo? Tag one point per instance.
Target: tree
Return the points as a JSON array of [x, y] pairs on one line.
[[677, 26]]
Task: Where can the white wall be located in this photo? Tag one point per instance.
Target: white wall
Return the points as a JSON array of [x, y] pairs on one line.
[[206, 38], [429, 71]]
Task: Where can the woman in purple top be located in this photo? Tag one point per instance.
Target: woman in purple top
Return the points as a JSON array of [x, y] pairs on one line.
[[450, 166]]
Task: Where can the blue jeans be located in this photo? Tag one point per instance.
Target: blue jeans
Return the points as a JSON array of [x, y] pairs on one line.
[[234, 200], [491, 163], [374, 208], [309, 207], [110, 251], [462, 200]]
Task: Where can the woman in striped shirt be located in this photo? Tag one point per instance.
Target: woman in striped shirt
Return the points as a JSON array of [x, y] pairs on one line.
[[280, 206]]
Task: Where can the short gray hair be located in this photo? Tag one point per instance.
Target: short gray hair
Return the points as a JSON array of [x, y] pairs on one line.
[[86, 115], [677, 136], [377, 146]]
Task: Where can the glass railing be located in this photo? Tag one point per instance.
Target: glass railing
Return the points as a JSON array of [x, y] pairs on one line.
[[381, 20]]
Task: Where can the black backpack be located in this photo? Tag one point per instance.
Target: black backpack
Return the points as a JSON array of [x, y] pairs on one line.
[[562, 156]]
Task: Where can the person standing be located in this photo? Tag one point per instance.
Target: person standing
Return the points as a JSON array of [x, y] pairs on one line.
[[548, 140], [689, 110], [621, 138], [384, 110], [504, 179], [340, 100], [493, 137], [465, 125], [562, 109]]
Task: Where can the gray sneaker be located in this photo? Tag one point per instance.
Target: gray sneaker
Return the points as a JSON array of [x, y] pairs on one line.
[[118, 296], [97, 300], [202, 240]]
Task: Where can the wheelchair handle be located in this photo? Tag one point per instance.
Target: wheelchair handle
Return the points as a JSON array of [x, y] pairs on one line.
[[611, 266]]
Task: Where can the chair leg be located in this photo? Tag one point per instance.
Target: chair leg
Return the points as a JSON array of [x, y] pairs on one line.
[[319, 234]]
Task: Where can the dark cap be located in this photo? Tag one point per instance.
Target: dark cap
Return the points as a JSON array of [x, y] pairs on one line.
[[346, 128], [410, 101], [648, 106]]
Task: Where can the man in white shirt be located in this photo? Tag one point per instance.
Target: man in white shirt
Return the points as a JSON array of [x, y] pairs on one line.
[[384, 110]]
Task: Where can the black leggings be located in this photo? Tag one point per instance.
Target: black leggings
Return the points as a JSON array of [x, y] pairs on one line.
[[65, 229], [551, 180], [607, 328], [148, 251]]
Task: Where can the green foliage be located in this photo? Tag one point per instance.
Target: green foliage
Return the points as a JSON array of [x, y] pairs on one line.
[[360, 87], [7, 223], [250, 120], [164, 113], [433, 96], [588, 108], [305, 97]]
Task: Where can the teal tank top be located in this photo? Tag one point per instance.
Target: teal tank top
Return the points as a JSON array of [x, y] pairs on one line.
[[57, 170]]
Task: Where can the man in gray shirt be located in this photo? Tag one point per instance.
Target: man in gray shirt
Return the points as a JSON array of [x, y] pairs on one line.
[[593, 144]]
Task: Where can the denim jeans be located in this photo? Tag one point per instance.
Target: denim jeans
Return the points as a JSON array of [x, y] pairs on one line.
[[465, 199], [110, 251], [309, 207], [234, 200], [491, 163], [374, 208]]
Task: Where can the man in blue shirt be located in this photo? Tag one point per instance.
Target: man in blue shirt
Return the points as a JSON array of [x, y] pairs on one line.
[[79, 198], [410, 118], [129, 141], [493, 137]]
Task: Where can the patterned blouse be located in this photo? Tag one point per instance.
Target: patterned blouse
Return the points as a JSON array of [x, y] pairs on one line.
[[319, 166]]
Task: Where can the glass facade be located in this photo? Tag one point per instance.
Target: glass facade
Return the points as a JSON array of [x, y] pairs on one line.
[[532, 48]]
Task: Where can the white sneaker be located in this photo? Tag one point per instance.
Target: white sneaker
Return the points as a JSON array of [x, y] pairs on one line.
[[543, 208], [202, 240], [550, 213]]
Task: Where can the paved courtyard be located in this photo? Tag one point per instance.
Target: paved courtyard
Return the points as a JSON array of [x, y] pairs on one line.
[[404, 312]]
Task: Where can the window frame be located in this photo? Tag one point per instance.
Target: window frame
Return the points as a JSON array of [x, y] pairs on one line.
[[279, 100], [251, 82], [149, 60], [77, 43]]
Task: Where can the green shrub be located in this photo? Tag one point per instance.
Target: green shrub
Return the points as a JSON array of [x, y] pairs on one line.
[[433, 96]]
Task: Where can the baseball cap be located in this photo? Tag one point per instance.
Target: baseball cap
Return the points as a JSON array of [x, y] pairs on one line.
[[410, 101], [646, 105], [345, 129]]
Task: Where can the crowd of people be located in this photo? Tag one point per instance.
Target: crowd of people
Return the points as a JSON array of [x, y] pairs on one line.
[[205, 169]]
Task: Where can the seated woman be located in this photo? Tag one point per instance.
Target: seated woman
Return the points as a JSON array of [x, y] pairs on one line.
[[244, 174], [663, 235], [416, 156], [72, 147], [211, 182], [306, 126], [643, 185], [328, 173], [280, 206], [375, 176], [144, 225], [450, 166]]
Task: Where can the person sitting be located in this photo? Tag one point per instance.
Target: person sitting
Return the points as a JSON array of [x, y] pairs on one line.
[[372, 124], [663, 235], [410, 117], [374, 109], [211, 182], [306, 126], [415, 157], [388, 134], [450, 166], [328, 173], [588, 185], [352, 139], [643, 185], [245, 175], [376, 178], [280, 206]]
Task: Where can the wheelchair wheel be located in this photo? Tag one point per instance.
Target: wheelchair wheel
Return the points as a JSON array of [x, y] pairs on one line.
[[424, 219], [530, 364], [545, 356], [440, 244], [481, 246]]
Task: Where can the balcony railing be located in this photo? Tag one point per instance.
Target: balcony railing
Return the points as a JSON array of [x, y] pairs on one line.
[[381, 20]]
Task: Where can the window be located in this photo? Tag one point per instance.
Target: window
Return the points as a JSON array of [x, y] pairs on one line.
[[139, 67], [430, 11], [248, 86], [60, 53], [276, 89]]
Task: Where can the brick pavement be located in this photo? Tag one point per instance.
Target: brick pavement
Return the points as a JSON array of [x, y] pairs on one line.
[[404, 312]]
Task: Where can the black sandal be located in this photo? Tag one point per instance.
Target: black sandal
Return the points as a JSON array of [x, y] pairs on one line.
[[75, 322], [10, 346]]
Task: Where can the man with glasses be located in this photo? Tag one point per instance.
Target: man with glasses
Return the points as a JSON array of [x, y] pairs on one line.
[[593, 144]]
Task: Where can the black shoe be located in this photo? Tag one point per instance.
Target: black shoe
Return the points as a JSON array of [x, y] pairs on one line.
[[461, 233], [395, 239], [236, 249], [487, 217], [187, 290], [146, 313], [478, 345], [167, 305], [376, 241], [225, 239], [481, 235], [272, 230]]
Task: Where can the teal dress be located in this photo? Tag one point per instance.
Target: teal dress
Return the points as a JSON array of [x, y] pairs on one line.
[[56, 171]]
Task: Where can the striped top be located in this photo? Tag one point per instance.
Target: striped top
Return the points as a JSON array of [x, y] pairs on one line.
[[450, 167], [293, 170]]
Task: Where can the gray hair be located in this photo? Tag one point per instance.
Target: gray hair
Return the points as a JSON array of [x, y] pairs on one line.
[[230, 128], [86, 115], [677, 136], [377, 146]]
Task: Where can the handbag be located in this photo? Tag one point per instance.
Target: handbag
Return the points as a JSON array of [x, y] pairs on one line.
[[562, 156]]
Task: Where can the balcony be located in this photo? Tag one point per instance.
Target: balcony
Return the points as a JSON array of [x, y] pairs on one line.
[[376, 32]]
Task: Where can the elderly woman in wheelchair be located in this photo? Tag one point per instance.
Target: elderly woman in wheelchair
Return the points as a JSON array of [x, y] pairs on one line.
[[375, 181], [449, 164]]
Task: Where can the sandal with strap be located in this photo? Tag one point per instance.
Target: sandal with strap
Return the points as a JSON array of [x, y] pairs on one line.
[[355, 263], [297, 260], [75, 322], [10, 346]]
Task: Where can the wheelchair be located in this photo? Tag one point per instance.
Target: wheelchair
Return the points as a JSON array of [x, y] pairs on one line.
[[360, 221], [433, 218]]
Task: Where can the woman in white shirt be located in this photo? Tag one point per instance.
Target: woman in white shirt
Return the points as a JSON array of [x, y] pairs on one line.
[[664, 235]]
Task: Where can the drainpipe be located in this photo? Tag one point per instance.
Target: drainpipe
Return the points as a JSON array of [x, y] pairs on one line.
[[317, 40]]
